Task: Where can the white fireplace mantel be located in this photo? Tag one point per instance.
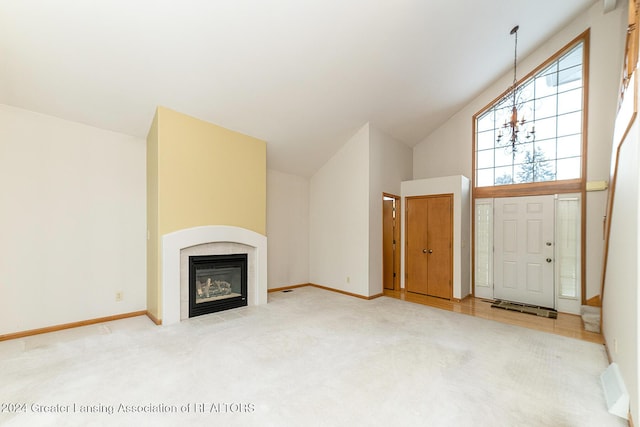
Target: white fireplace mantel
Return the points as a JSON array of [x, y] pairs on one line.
[[172, 243]]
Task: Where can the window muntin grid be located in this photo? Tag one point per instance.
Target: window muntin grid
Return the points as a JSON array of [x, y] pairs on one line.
[[552, 100]]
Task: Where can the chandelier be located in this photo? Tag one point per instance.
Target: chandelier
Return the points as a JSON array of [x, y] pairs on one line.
[[516, 124]]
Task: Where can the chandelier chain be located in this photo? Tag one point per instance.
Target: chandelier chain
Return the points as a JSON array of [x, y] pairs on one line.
[[516, 124]]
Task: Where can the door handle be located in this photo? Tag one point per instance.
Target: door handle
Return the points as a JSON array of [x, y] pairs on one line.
[[549, 259], [424, 251]]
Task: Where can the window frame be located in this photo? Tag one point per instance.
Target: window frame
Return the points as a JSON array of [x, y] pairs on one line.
[[546, 187], [541, 188]]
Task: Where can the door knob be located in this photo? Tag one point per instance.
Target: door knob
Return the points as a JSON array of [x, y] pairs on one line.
[[424, 251], [430, 251], [548, 259]]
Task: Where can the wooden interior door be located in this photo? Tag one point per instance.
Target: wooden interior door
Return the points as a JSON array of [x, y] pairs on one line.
[[439, 250], [387, 243], [390, 237], [429, 237], [416, 243]]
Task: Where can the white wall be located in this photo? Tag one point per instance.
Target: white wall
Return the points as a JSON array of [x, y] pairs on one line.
[[607, 49], [621, 296], [287, 229], [72, 221], [339, 219], [448, 150], [391, 162], [458, 186]]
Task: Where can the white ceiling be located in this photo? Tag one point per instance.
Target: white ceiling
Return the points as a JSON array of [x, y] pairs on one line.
[[302, 75]]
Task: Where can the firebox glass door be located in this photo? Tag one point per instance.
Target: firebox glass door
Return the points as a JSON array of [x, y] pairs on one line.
[[218, 283]]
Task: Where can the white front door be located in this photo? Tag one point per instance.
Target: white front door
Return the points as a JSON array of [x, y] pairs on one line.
[[524, 250]]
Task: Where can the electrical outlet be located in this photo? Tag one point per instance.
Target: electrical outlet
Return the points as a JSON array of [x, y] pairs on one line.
[[119, 296]]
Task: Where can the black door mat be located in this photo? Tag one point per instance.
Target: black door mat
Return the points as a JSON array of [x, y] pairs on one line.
[[526, 308]]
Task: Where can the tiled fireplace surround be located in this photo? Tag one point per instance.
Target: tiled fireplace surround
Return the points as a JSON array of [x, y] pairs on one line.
[[208, 240]]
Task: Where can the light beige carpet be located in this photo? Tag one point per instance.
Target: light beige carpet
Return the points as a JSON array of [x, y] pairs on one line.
[[308, 358]]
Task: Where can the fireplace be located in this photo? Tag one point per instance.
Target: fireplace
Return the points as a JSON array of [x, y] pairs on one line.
[[179, 245], [216, 283]]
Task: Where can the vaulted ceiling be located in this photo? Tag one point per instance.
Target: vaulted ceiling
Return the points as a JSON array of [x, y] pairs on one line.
[[302, 75]]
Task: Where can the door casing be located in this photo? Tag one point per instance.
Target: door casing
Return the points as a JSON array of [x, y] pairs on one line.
[[390, 242]]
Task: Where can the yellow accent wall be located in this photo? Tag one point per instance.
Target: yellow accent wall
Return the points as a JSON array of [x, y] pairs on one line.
[[153, 248], [199, 174]]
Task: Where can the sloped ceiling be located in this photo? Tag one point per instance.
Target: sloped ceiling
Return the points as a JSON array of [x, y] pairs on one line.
[[301, 74]]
